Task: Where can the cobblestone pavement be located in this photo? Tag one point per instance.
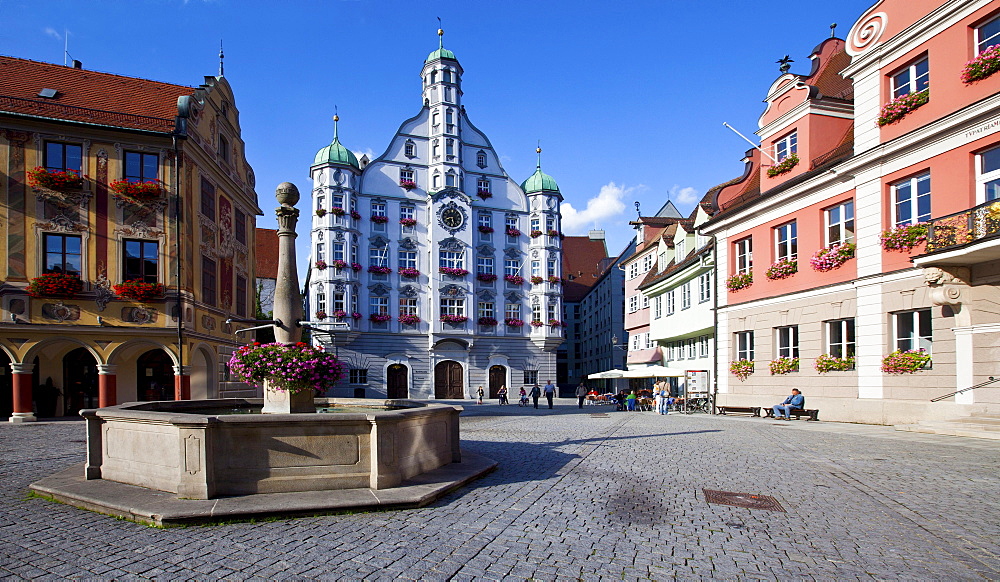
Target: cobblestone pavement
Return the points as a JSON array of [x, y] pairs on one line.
[[615, 495]]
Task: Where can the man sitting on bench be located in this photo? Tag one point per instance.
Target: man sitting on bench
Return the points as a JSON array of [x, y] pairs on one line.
[[794, 402]]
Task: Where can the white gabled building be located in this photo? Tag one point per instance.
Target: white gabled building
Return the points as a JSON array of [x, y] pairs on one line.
[[418, 255]]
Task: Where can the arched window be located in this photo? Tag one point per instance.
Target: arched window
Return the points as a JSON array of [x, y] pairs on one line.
[[436, 149], [449, 118], [434, 76], [437, 180], [436, 119], [410, 149], [447, 76], [450, 178], [450, 148], [481, 159]]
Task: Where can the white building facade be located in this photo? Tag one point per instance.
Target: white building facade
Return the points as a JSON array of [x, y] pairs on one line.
[[436, 272]]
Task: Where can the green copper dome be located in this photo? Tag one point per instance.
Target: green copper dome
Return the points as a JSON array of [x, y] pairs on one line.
[[441, 53], [539, 182], [335, 153]]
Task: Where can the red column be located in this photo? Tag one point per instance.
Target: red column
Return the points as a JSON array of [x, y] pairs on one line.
[[182, 383], [23, 409], [107, 385]]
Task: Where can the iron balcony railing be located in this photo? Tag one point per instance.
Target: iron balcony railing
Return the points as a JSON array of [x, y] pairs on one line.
[[83, 114], [961, 228]]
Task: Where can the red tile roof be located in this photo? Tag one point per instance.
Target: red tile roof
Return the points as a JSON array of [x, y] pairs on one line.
[[583, 260], [88, 96], [267, 254]]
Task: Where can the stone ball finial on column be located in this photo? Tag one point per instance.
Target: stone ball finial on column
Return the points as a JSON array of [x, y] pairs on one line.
[[287, 297]]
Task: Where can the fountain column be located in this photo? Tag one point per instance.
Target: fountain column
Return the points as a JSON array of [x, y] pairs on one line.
[[21, 377], [287, 301], [107, 385], [182, 382]]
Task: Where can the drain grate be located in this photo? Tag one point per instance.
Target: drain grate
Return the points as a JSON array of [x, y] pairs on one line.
[[746, 500]]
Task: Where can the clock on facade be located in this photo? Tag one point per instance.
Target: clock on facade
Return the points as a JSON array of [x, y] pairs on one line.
[[452, 217]]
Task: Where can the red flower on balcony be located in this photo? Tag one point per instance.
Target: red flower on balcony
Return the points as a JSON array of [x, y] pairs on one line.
[[379, 270], [338, 264], [513, 322], [534, 233], [555, 280], [379, 317], [139, 291], [454, 319], [409, 319], [513, 232], [536, 280], [338, 211], [379, 219], [408, 221], [409, 273], [408, 184], [486, 229], [486, 277], [55, 285], [490, 321], [453, 272], [355, 215], [58, 181], [514, 279], [484, 194]]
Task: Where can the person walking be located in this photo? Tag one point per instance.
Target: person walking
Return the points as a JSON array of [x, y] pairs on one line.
[[663, 395], [535, 393], [581, 394], [481, 394], [502, 395], [550, 392]]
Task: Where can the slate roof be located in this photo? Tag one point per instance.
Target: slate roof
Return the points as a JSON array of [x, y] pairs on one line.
[[88, 96], [266, 254]]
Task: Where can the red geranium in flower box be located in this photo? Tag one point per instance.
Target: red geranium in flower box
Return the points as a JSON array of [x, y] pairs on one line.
[[408, 221], [340, 314], [534, 233], [55, 285], [535, 280], [486, 277], [553, 232], [408, 184], [484, 194], [379, 270], [513, 232], [59, 181], [555, 280], [139, 291], [490, 321], [355, 215], [321, 265], [379, 317], [356, 267], [514, 322], [486, 229], [137, 192], [515, 279], [453, 272], [320, 315], [536, 323], [409, 273], [338, 211], [407, 319], [454, 319], [378, 219], [338, 264]]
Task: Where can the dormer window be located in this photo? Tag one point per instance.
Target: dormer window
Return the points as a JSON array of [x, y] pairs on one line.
[[410, 149], [681, 249], [481, 159], [988, 35], [912, 79], [786, 146]]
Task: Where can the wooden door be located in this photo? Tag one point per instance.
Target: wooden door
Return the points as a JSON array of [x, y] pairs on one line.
[[448, 380], [396, 382], [498, 377]]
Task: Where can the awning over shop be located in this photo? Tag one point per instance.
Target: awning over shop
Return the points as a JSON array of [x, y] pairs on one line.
[[655, 372], [647, 356], [606, 374]]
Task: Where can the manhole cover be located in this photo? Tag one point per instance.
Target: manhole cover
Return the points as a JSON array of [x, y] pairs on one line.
[[747, 500]]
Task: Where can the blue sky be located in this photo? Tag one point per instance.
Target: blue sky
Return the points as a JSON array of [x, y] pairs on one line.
[[627, 98]]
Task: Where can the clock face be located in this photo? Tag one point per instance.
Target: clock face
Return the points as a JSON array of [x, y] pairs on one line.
[[452, 217]]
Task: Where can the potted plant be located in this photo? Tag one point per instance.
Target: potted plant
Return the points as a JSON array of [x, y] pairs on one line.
[[338, 211], [512, 232], [340, 314], [454, 319], [905, 237], [55, 285], [379, 219], [783, 166], [321, 265], [379, 270], [514, 279], [901, 106], [742, 369], [321, 212], [356, 267], [555, 323], [536, 280], [289, 368], [409, 273], [905, 362], [356, 315], [784, 268], [137, 192], [55, 180], [320, 315], [827, 363], [357, 215], [489, 321], [453, 272], [513, 322], [536, 323], [832, 257], [486, 229], [411, 222], [408, 319], [739, 281], [379, 317], [552, 232], [534, 233], [784, 365], [555, 280], [486, 277], [484, 193], [139, 291], [407, 184], [338, 264], [984, 65]]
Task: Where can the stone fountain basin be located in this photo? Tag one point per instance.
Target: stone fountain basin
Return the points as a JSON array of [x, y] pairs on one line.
[[190, 449]]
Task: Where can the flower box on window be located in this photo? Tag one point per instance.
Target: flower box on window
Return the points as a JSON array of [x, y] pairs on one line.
[[904, 238], [536, 280], [742, 369], [321, 265], [552, 232], [338, 264], [905, 362], [784, 365], [739, 281], [484, 194], [379, 317], [409, 273], [137, 192], [514, 279], [408, 184], [320, 315], [555, 323], [411, 222], [57, 181], [486, 277], [453, 272], [55, 285], [984, 65], [356, 315], [784, 268], [827, 363], [356, 267], [321, 212], [536, 323], [407, 319], [454, 319], [513, 322], [901, 106], [379, 219], [512, 232], [340, 314], [832, 257], [535, 233], [486, 229], [337, 211], [487, 321], [356, 215], [555, 280], [139, 291], [379, 270], [783, 166]]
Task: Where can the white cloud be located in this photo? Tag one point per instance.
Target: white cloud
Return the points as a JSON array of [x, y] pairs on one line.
[[53, 33], [607, 204], [684, 196], [365, 152]]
